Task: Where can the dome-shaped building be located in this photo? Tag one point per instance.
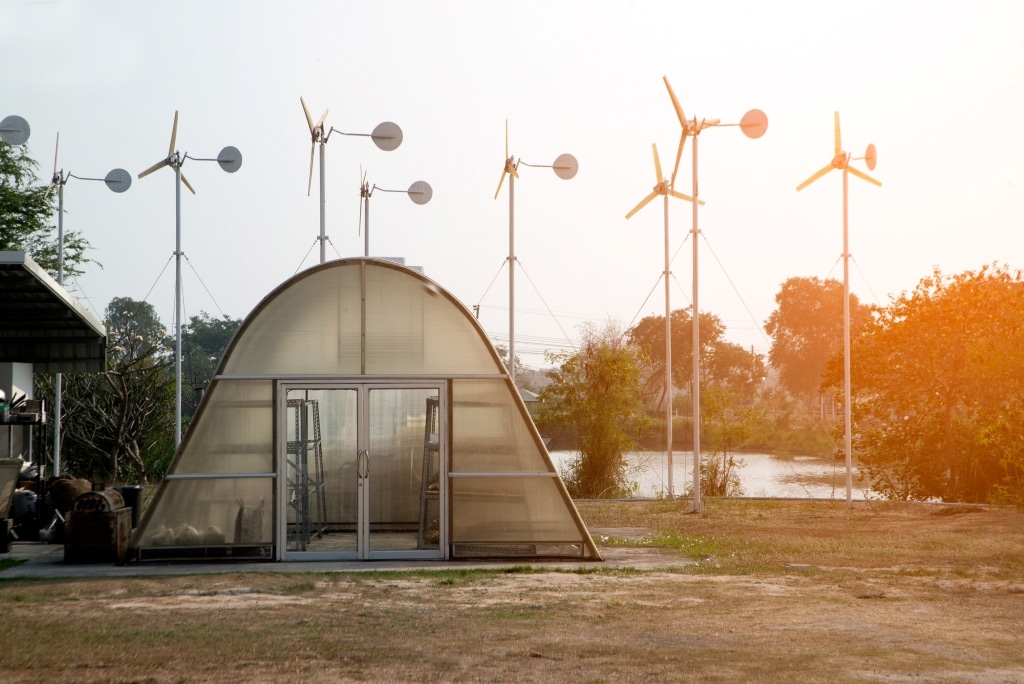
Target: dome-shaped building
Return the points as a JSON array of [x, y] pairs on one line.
[[360, 412]]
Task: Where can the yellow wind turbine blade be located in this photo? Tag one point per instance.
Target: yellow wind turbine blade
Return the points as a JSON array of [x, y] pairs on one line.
[[679, 156], [658, 178], [174, 134], [839, 140], [511, 168], [815, 177], [675, 103], [154, 167], [309, 118], [683, 197], [861, 174], [309, 185], [187, 184], [643, 203], [320, 121], [501, 182]]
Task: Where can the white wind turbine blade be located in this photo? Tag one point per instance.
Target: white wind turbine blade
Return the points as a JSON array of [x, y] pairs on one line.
[[309, 119], [312, 153], [174, 134], [160, 164]]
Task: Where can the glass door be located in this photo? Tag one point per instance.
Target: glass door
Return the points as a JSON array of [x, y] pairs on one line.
[[363, 471]]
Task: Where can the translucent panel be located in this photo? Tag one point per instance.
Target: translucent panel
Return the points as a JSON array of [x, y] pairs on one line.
[[411, 327], [310, 326], [211, 512], [235, 431], [397, 420], [510, 510], [490, 433], [322, 498]]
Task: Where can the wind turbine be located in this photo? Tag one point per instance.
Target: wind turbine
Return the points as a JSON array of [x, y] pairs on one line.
[[753, 124], [841, 160], [565, 167], [662, 187], [230, 159], [419, 192], [117, 180], [387, 136]]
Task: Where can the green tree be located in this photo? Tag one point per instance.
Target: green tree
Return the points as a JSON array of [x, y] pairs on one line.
[[596, 392], [723, 363], [726, 424], [26, 216], [204, 341], [807, 329], [938, 381], [117, 426]]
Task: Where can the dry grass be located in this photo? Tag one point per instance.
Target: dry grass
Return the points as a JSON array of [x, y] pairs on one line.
[[781, 591]]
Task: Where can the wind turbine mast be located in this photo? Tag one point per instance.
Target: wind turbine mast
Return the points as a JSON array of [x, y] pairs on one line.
[[386, 136], [565, 167], [841, 160], [753, 124], [663, 187], [230, 160], [118, 181]]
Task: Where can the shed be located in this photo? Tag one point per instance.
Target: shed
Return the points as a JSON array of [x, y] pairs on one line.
[[360, 412]]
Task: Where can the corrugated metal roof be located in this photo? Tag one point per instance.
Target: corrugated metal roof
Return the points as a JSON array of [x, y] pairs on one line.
[[41, 324]]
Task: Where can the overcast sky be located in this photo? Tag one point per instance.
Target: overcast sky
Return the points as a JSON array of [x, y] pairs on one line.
[[937, 87]]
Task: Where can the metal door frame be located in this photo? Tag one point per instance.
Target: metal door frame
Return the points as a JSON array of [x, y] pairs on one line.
[[362, 388]]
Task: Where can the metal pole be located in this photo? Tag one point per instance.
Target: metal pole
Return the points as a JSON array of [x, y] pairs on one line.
[[847, 411], [177, 300], [668, 365], [512, 277], [697, 505], [57, 379], [323, 205]]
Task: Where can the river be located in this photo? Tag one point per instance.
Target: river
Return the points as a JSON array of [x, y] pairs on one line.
[[782, 476]]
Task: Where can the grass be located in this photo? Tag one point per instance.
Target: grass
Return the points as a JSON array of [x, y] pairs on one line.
[[892, 592]]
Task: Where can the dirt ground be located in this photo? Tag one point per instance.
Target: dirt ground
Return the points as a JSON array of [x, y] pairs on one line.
[[749, 592]]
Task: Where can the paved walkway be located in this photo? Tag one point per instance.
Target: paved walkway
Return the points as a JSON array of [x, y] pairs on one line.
[[47, 560]]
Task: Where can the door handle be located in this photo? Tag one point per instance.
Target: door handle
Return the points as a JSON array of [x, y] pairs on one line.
[[362, 465]]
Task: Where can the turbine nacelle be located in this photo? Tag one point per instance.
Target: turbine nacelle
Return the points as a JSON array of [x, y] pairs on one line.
[[753, 124], [842, 160], [565, 166]]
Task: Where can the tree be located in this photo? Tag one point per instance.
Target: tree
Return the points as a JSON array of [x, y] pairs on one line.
[[503, 355], [204, 341], [118, 425], [723, 364], [26, 213], [597, 393], [806, 329], [938, 379]]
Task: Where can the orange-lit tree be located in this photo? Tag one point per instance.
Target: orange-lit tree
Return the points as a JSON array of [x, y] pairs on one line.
[[807, 329], [939, 389]]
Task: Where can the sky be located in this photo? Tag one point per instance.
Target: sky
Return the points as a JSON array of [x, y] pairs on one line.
[[935, 86]]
